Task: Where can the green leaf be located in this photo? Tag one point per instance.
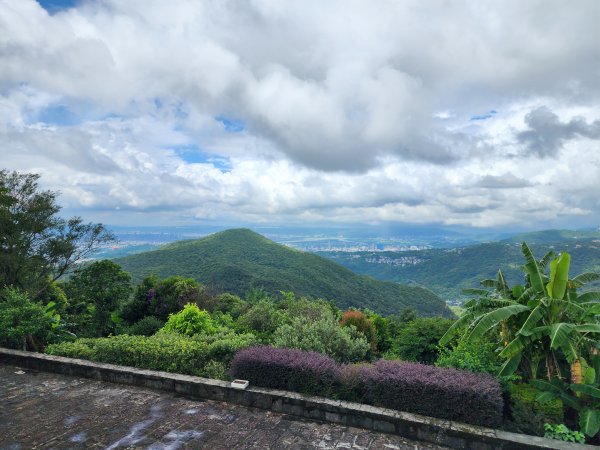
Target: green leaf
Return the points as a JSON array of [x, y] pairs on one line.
[[589, 421], [517, 291], [449, 334], [586, 389], [515, 346], [559, 334], [474, 291], [545, 397], [50, 308], [559, 276], [585, 278], [493, 318], [546, 259], [588, 328], [509, 367], [593, 296], [532, 320], [536, 277]]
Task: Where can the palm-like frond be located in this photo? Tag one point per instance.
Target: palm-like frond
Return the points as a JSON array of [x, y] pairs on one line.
[[493, 318], [532, 320], [585, 278], [543, 263], [593, 296], [536, 277]]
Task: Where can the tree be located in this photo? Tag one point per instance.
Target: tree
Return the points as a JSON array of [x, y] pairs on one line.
[[37, 246], [23, 324], [159, 298], [418, 339], [100, 288]]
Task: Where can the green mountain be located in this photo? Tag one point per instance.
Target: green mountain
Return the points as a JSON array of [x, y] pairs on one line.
[[237, 260], [448, 271]]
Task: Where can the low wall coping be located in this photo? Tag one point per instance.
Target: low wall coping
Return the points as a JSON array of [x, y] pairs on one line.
[[414, 426]]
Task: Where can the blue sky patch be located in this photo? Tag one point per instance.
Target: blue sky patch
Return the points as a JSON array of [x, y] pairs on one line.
[[54, 6], [485, 116], [58, 115], [192, 154], [231, 125]]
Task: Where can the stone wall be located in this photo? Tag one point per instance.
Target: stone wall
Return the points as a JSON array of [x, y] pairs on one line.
[[413, 426]]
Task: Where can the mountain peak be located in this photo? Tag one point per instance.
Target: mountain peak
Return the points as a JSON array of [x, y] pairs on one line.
[[239, 259]]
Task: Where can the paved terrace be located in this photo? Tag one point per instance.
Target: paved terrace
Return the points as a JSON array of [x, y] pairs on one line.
[[41, 410]]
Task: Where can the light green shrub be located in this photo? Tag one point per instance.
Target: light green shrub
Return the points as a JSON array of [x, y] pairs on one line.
[[189, 321], [344, 344]]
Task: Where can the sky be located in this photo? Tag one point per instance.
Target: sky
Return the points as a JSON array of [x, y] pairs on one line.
[[459, 113]]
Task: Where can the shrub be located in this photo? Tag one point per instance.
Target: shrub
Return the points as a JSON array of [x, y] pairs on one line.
[[363, 324], [529, 415], [263, 317], [81, 348], [223, 345], [323, 336], [478, 357], [445, 393], [418, 340], [349, 382], [563, 433], [191, 320], [167, 352], [433, 391], [145, 327], [202, 355], [231, 304], [23, 324], [283, 368]]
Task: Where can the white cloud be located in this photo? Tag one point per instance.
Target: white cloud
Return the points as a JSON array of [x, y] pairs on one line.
[[352, 111]]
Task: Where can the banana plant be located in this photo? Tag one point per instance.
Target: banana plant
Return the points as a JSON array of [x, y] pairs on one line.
[[582, 397], [544, 319]]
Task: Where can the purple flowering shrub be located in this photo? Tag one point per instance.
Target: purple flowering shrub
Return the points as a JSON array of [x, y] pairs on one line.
[[432, 391], [284, 368]]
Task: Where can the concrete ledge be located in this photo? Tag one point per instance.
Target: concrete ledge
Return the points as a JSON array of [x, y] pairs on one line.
[[446, 433]]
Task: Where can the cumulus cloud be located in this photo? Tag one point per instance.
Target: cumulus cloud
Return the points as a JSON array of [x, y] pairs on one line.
[[268, 110], [547, 133]]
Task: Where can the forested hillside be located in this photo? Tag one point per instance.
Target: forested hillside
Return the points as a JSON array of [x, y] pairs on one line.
[[238, 260], [448, 271]]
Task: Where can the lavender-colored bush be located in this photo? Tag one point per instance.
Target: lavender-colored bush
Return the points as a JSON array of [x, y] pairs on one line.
[[284, 368], [433, 391]]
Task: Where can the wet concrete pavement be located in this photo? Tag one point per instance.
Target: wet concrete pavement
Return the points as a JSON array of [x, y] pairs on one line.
[[41, 410]]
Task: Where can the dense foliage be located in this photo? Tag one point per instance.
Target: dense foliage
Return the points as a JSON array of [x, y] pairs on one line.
[[23, 323], [236, 260], [323, 335], [170, 352], [545, 328], [190, 321], [445, 393]]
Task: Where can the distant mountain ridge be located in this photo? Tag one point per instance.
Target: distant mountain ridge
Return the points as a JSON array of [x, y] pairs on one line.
[[448, 271], [239, 259]]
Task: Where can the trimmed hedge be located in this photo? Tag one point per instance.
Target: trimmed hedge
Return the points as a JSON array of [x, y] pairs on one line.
[[285, 368], [433, 391], [169, 352], [444, 393]]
